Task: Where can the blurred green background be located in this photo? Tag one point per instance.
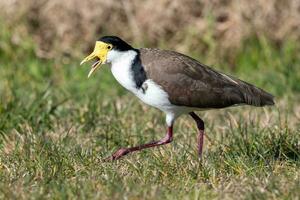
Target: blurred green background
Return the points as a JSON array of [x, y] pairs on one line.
[[55, 124]]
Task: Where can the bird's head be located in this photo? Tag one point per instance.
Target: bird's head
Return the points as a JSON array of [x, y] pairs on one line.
[[106, 49]]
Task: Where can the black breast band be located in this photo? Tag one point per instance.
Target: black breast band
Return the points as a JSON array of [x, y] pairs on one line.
[[139, 74]]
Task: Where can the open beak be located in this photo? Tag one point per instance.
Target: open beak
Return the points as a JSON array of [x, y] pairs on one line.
[[99, 53], [96, 64]]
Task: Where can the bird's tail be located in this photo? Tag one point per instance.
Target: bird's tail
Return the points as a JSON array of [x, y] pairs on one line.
[[256, 96]]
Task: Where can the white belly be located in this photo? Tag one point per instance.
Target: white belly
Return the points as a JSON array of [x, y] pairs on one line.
[[151, 93], [154, 95]]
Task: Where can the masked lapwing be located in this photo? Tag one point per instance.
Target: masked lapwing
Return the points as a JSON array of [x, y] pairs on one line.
[[172, 82]]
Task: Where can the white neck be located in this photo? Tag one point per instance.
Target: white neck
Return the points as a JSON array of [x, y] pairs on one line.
[[121, 68], [115, 56]]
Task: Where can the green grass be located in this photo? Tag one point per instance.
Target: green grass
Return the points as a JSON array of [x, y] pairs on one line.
[[56, 126]]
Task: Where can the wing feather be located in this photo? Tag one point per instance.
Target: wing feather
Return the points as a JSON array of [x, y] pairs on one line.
[[193, 84]]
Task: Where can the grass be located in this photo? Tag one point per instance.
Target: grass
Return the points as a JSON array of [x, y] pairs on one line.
[[56, 126]]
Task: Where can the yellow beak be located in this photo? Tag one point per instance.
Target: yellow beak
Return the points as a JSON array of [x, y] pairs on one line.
[[100, 52], [95, 65]]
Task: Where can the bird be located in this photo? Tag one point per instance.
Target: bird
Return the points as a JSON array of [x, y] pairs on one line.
[[174, 83]]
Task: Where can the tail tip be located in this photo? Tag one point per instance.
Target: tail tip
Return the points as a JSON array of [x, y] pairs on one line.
[[268, 101]]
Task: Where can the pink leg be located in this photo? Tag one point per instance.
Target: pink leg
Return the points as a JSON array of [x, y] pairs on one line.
[[200, 126], [123, 151]]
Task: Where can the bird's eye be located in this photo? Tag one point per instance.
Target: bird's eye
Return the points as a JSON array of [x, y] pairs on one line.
[[109, 47]]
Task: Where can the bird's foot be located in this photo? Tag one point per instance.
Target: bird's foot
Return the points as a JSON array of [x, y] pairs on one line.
[[118, 154]]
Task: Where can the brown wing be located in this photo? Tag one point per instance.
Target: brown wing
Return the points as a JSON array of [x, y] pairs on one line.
[[190, 83]]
